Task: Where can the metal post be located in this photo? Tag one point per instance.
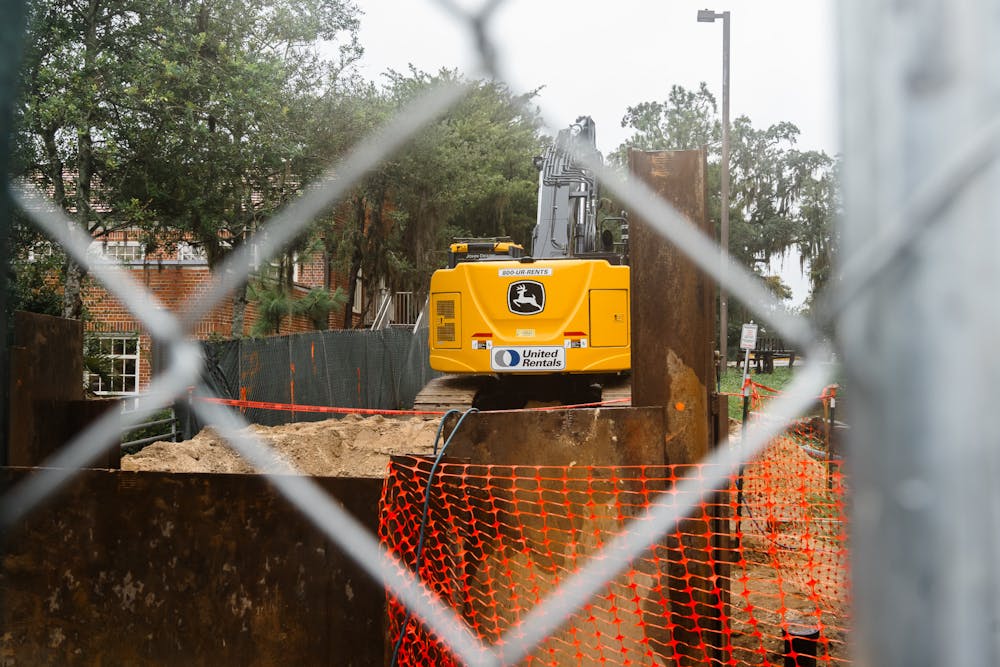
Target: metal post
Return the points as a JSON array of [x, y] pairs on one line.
[[709, 16], [189, 409], [831, 450], [800, 646], [724, 213], [745, 390], [919, 279]]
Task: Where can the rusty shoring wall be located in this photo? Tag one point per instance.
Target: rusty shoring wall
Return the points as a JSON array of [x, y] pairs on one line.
[[47, 405], [607, 436], [673, 325], [185, 569], [611, 437], [673, 319]]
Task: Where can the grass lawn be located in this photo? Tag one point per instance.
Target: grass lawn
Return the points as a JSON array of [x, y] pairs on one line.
[[732, 383]]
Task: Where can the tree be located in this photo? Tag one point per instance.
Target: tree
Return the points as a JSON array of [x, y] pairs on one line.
[[35, 267], [780, 197], [177, 117], [819, 203], [468, 174], [350, 244], [686, 120], [228, 92], [77, 50]]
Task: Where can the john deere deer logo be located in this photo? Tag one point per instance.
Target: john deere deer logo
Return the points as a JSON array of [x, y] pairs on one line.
[[526, 297]]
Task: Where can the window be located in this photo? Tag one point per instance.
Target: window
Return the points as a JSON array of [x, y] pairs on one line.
[[40, 250], [187, 252], [359, 294], [123, 251], [122, 370], [273, 269]]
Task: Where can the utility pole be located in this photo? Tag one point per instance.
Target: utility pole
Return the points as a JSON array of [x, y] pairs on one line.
[[709, 16]]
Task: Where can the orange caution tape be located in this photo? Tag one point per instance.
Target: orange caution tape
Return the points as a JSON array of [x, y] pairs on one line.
[[295, 407], [287, 407]]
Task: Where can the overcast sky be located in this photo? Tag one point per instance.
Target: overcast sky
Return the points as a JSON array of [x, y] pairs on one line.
[[596, 57]]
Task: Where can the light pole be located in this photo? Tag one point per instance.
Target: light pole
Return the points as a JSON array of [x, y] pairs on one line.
[[709, 16]]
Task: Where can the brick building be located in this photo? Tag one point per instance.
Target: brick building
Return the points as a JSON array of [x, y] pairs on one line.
[[176, 278]]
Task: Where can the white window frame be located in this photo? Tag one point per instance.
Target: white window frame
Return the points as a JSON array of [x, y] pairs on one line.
[[40, 250], [123, 350], [359, 294], [187, 252], [125, 252]]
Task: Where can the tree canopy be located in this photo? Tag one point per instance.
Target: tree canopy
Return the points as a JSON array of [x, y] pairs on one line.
[[468, 174], [780, 197], [196, 121], [177, 118]]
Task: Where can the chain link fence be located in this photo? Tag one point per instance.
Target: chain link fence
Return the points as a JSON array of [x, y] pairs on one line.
[[918, 282]]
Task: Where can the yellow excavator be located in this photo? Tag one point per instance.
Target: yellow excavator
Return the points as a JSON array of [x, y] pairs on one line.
[[509, 328]]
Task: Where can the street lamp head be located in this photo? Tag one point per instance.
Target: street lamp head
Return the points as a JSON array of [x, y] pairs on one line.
[[706, 16]]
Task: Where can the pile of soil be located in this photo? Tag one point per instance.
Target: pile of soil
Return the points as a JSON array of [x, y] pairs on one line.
[[353, 446]]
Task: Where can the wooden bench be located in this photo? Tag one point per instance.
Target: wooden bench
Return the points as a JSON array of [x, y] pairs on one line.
[[768, 349]]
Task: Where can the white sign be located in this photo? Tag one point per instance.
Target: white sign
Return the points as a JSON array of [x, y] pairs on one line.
[[521, 272], [748, 337], [508, 359]]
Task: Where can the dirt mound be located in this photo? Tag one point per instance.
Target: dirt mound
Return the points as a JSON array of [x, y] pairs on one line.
[[350, 447]]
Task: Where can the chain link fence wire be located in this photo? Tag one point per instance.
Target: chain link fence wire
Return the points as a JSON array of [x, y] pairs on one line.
[[914, 214], [921, 85], [185, 363]]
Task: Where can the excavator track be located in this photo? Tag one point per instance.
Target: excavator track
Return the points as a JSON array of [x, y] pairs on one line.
[[458, 392]]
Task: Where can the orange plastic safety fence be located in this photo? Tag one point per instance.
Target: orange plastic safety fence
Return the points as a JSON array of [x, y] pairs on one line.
[[765, 557], [759, 393]]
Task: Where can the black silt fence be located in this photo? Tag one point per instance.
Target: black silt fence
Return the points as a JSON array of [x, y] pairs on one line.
[[381, 370]]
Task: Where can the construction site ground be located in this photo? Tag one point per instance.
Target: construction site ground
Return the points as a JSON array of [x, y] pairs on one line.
[[360, 446]]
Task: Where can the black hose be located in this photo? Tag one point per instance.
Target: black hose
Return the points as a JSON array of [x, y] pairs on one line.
[[426, 509]]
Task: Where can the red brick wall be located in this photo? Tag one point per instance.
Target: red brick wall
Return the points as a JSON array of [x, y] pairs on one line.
[[176, 285], [311, 271]]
